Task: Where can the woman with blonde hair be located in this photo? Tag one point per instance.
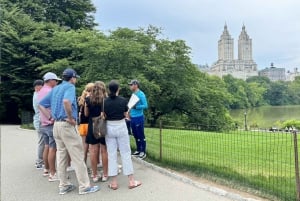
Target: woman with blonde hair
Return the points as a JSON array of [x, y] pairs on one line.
[[93, 108], [83, 120]]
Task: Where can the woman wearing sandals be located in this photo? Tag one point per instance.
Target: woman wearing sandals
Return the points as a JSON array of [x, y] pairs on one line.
[[115, 108], [93, 108], [83, 120]]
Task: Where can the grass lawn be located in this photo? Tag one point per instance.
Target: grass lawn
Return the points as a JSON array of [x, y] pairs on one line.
[[261, 161]]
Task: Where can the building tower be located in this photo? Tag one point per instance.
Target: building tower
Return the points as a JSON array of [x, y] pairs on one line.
[[244, 46], [225, 46]]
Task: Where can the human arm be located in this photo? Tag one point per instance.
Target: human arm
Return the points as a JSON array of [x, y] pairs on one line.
[[69, 97], [86, 108], [35, 103], [142, 104], [44, 104], [68, 110]]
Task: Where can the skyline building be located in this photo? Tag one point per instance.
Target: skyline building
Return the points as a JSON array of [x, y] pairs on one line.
[[242, 67]]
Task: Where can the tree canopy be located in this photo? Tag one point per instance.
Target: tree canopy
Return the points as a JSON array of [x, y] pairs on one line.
[[36, 39]]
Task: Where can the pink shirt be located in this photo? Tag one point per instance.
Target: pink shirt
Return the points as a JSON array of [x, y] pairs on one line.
[[41, 94]]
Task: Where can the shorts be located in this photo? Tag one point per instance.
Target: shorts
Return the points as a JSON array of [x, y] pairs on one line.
[[47, 132], [83, 129]]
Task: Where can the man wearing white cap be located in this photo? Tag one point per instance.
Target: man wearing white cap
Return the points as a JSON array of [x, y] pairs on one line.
[[49, 155]]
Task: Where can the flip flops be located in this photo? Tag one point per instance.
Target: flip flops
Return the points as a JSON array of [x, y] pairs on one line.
[[136, 184]]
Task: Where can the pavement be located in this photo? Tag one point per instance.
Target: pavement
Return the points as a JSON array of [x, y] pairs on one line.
[[21, 181]]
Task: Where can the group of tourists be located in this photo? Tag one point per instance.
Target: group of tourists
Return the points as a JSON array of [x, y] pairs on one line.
[[64, 124]]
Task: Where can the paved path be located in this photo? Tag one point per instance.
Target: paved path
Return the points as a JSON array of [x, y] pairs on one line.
[[20, 181]]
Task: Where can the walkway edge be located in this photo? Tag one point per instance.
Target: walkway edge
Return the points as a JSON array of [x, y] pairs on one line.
[[214, 190]]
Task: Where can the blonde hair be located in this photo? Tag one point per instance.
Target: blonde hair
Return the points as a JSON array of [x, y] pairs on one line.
[[87, 89], [98, 93]]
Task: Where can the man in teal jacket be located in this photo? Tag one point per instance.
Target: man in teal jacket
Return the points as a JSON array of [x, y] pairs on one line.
[[137, 119]]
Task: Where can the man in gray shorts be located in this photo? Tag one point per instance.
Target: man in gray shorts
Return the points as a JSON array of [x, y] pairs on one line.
[[46, 129]]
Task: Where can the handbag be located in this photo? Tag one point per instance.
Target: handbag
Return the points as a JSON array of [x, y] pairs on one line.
[[99, 124]]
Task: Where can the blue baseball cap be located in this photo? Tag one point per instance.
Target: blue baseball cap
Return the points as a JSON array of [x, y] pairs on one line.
[[69, 73]]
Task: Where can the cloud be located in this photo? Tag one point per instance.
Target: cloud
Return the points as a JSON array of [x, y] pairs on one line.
[[272, 25]]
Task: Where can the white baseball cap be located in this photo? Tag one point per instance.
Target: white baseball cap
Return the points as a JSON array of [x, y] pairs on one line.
[[50, 76]]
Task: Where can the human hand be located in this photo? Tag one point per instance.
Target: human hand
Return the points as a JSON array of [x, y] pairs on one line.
[[71, 121]]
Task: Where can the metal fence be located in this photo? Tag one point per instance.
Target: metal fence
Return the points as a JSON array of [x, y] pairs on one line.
[[260, 161]]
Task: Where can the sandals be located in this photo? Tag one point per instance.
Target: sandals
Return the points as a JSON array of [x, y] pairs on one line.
[[113, 187], [46, 173], [136, 184], [104, 178]]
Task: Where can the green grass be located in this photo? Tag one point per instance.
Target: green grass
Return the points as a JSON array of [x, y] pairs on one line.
[[27, 126], [261, 161]]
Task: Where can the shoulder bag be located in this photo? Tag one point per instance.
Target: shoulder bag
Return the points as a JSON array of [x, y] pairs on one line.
[[99, 124]]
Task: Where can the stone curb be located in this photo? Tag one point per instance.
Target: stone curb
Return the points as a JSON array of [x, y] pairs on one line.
[[214, 190]]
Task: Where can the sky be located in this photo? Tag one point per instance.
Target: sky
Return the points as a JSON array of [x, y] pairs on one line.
[[273, 25]]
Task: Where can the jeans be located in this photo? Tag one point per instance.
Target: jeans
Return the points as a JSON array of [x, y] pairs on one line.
[[137, 126]]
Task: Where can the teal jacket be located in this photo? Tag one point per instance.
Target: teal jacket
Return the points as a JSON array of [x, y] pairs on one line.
[[138, 109]]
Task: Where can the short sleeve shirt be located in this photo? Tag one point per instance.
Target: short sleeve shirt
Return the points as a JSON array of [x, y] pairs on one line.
[[115, 107]]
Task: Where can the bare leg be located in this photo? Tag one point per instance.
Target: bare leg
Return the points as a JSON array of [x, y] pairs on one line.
[[85, 147], [94, 153], [45, 156], [104, 158], [51, 160]]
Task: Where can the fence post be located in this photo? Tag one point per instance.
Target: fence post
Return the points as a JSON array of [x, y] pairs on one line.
[[296, 165], [160, 140]]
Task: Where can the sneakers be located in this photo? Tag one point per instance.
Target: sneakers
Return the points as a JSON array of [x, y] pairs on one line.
[[39, 166], [136, 153], [91, 189], [142, 155], [53, 178], [66, 189]]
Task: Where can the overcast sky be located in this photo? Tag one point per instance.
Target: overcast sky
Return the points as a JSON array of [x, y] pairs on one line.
[[273, 25]]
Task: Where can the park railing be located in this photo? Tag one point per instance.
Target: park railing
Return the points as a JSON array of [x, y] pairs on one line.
[[258, 161]]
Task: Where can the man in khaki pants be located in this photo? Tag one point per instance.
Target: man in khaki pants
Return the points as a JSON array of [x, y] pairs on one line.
[[62, 100]]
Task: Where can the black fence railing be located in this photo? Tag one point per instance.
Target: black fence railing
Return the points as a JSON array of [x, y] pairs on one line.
[[260, 161]]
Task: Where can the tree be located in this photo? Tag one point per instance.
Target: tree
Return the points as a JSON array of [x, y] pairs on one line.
[[75, 14], [277, 93], [22, 51], [237, 88]]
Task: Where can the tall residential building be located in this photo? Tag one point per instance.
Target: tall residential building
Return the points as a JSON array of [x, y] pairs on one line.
[[241, 68], [273, 73]]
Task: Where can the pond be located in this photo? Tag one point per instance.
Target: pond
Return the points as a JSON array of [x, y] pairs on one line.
[[266, 116]]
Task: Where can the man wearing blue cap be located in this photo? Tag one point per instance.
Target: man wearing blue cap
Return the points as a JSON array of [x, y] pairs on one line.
[[63, 103], [137, 119]]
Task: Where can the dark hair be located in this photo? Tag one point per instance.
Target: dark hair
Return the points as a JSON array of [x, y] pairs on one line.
[[66, 78], [38, 83], [113, 88]]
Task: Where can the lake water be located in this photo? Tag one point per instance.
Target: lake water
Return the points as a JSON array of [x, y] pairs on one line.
[[266, 116]]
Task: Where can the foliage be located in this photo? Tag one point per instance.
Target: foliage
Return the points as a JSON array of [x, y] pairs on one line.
[[74, 14], [40, 36], [292, 123]]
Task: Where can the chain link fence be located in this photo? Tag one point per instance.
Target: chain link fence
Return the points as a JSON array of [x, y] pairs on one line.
[[261, 162]]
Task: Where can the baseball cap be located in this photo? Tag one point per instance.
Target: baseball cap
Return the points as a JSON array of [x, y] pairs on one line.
[[69, 73], [50, 76], [133, 82], [38, 83]]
